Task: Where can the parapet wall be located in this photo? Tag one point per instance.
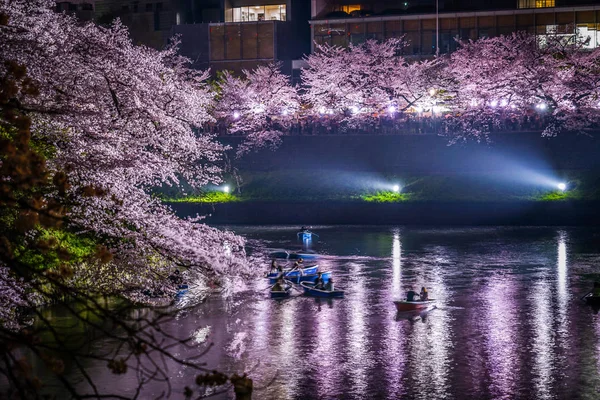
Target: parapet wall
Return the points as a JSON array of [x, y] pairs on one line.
[[427, 154]]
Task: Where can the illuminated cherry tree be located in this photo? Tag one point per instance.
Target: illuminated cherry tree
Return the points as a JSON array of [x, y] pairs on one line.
[[120, 119], [260, 105], [372, 77], [552, 79]]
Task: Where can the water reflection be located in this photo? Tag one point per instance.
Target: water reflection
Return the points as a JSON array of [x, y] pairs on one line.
[[327, 357], [502, 336], [508, 324], [562, 290], [543, 340], [359, 357], [393, 351], [396, 265], [432, 341]]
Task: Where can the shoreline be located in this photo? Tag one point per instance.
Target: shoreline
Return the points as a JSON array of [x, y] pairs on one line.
[[456, 213]]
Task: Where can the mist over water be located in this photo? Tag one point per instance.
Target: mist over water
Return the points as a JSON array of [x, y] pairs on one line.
[[509, 323]]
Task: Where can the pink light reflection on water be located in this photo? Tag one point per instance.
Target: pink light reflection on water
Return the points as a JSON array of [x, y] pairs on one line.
[[564, 298], [393, 352], [359, 358], [500, 327], [430, 343], [543, 339], [327, 357]]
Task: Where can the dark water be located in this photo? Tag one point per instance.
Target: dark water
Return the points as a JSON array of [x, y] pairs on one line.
[[509, 323]]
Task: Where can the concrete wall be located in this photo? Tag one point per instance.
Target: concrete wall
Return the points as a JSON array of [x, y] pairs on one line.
[[427, 153]]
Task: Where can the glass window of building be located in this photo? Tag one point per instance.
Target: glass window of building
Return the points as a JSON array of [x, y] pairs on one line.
[[256, 13], [350, 8], [536, 3], [589, 32]]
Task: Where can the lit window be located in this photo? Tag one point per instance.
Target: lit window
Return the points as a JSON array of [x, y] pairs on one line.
[[351, 8], [259, 13], [536, 3]]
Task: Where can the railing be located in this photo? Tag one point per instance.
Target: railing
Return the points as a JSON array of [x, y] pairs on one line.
[[402, 125]]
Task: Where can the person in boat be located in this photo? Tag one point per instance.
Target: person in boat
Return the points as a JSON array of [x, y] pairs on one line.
[[279, 286], [275, 267], [424, 295], [329, 286], [319, 284], [411, 295], [298, 265]]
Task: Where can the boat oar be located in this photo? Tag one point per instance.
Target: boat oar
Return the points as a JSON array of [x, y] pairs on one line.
[[586, 295]]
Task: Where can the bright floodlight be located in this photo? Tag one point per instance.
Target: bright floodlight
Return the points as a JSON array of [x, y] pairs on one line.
[[562, 186], [494, 103], [541, 106], [432, 92], [392, 109], [396, 188], [236, 115], [226, 189], [285, 112], [353, 109], [504, 103]]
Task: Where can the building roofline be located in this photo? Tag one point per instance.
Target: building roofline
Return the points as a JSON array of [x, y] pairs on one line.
[[247, 22], [454, 14]]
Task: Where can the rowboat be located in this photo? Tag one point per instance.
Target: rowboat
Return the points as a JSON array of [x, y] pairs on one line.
[[592, 300], [310, 290], [404, 305], [307, 278], [291, 275], [286, 255], [280, 294], [306, 235]]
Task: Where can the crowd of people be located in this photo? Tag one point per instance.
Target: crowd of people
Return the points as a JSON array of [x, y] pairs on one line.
[[386, 124]]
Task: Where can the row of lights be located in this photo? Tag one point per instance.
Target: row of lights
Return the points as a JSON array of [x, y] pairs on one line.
[[392, 109], [396, 188]]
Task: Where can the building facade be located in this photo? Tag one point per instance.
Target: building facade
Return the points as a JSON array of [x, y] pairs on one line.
[[241, 34], [332, 23]]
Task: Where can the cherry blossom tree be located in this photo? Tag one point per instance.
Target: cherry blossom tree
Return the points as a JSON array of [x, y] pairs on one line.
[[88, 124], [260, 105], [553, 79], [121, 119], [372, 77]]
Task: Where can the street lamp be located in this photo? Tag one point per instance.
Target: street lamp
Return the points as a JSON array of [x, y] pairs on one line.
[[437, 28]]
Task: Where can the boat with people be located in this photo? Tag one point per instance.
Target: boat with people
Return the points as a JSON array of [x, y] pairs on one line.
[[310, 290], [325, 276], [286, 255], [280, 291], [416, 305], [291, 274]]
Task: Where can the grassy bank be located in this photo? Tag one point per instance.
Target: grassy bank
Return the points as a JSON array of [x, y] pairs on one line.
[[320, 186]]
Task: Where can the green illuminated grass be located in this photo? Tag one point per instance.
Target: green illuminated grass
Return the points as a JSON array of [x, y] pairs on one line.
[[386, 197], [210, 197], [558, 196]]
